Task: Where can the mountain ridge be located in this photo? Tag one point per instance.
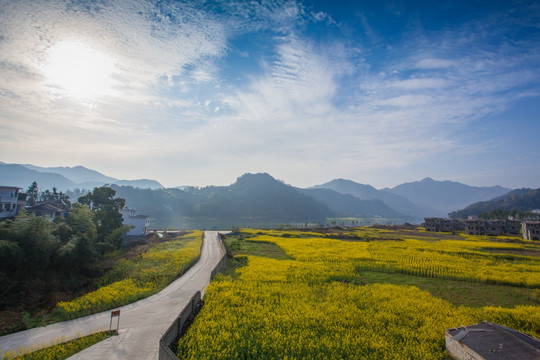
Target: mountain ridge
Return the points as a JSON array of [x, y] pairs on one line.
[[445, 196], [410, 202], [63, 178], [520, 199], [368, 192]]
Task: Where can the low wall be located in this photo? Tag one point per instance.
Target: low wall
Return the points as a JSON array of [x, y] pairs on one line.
[[175, 330]]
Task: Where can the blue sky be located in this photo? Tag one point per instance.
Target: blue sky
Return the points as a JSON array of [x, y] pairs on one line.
[[200, 92]]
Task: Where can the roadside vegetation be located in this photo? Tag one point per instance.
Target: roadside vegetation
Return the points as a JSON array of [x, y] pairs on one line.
[[60, 351], [43, 262], [78, 265], [137, 273], [137, 278], [371, 294]]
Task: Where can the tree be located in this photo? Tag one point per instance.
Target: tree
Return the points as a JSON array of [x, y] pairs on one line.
[[102, 198], [46, 195], [32, 194], [108, 219], [35, 237]]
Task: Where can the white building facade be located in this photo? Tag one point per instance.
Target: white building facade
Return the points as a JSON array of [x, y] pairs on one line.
[[12, 200], [139, 222], [530, 230]]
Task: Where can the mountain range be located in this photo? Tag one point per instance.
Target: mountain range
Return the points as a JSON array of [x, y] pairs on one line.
[[259, 199], [520, 199], [63, 178]]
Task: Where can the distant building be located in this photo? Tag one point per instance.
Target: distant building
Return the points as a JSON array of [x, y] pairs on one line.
[[49, 209], [12, 201], [530, 230], [443, 224], [140, 222], [492, 227], [489, 341]]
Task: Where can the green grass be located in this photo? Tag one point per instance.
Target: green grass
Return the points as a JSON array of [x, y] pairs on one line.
[[454, 291], [238, 247]]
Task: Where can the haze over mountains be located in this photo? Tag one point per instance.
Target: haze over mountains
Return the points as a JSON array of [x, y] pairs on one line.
[[518, 200], [259, 199], [63, 178]]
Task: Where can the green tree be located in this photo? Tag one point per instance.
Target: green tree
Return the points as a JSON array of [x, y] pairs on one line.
[[32, 194], [81, 221], [108, 219], [35, 237], [102, 198], [46, 195]]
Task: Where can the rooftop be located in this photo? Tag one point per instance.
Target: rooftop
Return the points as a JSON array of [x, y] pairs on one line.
[[496, 342]]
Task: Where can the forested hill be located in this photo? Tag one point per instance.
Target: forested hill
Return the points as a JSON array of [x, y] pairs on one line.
[[253, 200], [520, 200]]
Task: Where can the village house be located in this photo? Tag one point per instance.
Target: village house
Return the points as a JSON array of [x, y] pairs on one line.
[[530, 230], [443, 224], [12, 201], [139, 222], [492, 227], [49, 209]]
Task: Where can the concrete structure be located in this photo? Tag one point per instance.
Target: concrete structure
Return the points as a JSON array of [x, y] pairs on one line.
[[140, 222], [488, 341], [530, 230], [492, 227], [49, 209], [142, 324], [12, 200], [443, 224]]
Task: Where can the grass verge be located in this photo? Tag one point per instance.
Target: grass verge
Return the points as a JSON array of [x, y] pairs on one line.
[[61, 350], [457, 292]]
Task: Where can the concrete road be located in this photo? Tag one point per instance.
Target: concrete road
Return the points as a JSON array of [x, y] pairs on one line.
[[142, 323]]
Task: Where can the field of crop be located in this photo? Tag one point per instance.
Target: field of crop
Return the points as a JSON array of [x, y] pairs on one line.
[[306, 295], [60, 351], [131, 280]]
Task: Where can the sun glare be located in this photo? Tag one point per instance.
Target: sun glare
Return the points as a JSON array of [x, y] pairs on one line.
[[82, 72]]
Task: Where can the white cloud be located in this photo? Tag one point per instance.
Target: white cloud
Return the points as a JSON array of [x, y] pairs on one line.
[[406, 101], [317, 106], [434, 63], [419, 84]]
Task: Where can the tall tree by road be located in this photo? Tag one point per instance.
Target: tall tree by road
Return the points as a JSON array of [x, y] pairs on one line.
[[108, 218]]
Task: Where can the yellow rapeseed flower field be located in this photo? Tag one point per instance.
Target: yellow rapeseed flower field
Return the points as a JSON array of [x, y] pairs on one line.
[[294, 309], [60, 350]]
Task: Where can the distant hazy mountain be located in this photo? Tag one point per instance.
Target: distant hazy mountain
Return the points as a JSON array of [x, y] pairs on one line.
[[63, 178], [394, 201], [77, 174], [21, 176], [253, 200], [520, 199], [445, 196], [346, 205], [139, 183]]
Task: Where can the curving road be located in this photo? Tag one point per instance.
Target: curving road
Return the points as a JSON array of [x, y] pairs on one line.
[[142, 323]]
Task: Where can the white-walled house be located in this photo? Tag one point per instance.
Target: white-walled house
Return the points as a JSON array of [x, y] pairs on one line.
[[140, 222], [12, 200]]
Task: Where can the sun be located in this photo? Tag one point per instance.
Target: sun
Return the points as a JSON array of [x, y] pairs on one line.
[[81, 71]]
